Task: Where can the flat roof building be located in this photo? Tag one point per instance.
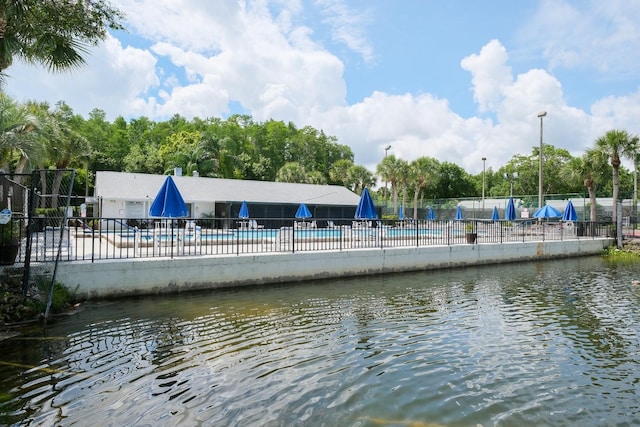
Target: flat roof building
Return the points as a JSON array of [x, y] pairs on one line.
[[130, 195]]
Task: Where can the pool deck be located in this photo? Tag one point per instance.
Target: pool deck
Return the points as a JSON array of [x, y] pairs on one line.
[[98, 246]]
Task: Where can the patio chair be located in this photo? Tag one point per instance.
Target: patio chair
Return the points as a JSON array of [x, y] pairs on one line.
[[253, 225], [361, 224]]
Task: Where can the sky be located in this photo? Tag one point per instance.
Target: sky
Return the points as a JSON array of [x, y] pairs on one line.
[[455, 80]]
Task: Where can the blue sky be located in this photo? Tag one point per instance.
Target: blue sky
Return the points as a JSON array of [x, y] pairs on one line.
[[454, 80]]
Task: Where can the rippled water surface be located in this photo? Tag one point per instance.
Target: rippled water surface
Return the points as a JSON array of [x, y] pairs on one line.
[[554, 343]]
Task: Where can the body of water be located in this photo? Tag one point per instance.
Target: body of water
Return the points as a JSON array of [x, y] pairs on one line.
[[533, 344]]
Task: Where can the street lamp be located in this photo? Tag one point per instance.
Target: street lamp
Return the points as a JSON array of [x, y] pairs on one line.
[[484, 159], [541, 115], [386, 149]]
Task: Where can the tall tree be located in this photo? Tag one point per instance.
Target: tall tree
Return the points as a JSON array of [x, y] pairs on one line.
[[404, 178], [359, 177], [19, 135], [634, 155], [292, 172], [453, 182], [527, 169], [423, 172], [339, 172], [616, 144], [588, 170], [65, 147], [53, 33], [390, 169]]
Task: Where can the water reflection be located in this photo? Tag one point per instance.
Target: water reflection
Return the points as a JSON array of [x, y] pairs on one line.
[[554, 343]]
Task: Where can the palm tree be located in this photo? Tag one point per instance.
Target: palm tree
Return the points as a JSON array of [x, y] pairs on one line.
[[339, 170], [616, 144], [404, 177], [53, 33], [423, 172], [360, 177], [390, 170], [19, 133], [634, 154], [292, 172], [588, 170]]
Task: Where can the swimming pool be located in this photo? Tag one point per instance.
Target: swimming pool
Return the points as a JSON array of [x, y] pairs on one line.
[[234, 235], [148, 237], [262, 234], [411, 232]]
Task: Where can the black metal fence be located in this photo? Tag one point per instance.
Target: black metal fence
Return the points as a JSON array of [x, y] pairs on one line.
[[95, 239]]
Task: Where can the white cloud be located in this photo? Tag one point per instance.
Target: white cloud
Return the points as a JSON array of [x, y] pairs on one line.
[[593, 34], [113, 79], [194, 58], [490, 74], [348, 26]]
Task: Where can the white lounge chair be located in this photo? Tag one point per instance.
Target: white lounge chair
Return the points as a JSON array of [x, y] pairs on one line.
[[361, 224], [305, 224], [253, 225]]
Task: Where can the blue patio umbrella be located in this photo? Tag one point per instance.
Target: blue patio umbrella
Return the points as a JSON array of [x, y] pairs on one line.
[[244, 211], [459, 213], [169, 202], [400, 213], [510, 211], [496, 215], [366, 209], [547, 212], [431, 213], [569, 213], [303, 212]]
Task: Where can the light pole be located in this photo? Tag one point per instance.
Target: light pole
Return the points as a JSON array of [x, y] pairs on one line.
[[541, 115], [386, 149], [484, 159]]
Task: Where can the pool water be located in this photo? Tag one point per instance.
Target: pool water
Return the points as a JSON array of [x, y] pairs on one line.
[[412, 232]]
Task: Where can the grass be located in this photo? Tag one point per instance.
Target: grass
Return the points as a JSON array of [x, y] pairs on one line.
[[16, 308], [621, 255]]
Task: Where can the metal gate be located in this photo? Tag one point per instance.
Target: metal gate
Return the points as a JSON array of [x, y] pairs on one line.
[[40, 203]]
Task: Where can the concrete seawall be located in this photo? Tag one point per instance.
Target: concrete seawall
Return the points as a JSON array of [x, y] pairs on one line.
[[140, 276]]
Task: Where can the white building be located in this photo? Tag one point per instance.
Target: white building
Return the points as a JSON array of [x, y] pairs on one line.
[[130, 195]]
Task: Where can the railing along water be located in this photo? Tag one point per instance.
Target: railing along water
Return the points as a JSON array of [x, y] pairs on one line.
[[97, 239]]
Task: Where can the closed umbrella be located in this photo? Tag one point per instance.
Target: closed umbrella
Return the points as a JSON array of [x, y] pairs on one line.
[[400, 213], [431, 215], [365, 209], [459, 216], [510, 211], [244, 211], [169, 202], [496, 215], [569, 213]]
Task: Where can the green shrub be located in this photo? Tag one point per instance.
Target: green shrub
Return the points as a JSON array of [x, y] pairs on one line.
[[62, 299]]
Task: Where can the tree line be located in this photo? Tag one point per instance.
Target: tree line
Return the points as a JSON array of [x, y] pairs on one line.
[[36, 136]]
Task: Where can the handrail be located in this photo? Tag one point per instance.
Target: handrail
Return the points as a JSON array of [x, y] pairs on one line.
[[95, 239]]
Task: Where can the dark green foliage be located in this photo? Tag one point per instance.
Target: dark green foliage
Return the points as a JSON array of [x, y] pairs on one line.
[[14, 307], [53, 33]]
